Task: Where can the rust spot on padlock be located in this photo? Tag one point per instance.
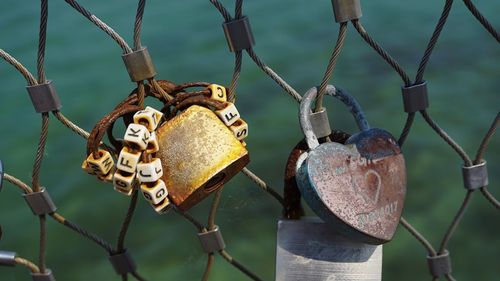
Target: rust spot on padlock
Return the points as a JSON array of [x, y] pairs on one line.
[[199, 154]]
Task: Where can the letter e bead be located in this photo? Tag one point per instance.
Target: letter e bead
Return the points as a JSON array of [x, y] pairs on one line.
[[137, 135], [229, 114]]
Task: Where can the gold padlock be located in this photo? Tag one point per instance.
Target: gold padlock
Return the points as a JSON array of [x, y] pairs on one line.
[[199, 154]]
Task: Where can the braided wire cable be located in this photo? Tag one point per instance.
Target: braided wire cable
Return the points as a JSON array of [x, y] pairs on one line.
[[37, 165], [282, 83], [486, 24], [28, 264], [17, 182], [127, 220], [418, 236], [44, 14], [460, 151], [432, 43], [138, 23], [30, 79], [454, 224], [331, 65], [103, 26], [406, 129], [262, 184], [392, 62], [85, 233]]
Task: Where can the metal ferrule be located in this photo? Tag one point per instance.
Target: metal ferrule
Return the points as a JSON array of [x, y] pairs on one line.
[[139, 65], [44, 97]]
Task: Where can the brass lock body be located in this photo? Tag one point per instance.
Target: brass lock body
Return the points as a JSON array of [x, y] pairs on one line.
[[199, 154]]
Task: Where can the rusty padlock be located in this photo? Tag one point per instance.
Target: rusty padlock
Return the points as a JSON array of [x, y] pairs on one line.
[[309, 249], [199, 154], [359, 187]]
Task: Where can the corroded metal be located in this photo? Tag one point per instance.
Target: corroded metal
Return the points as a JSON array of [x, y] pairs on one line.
[[358, 187], [309, 249], [199, 154]]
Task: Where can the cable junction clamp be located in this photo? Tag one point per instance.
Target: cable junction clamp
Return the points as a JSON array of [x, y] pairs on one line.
[[123, 263], [320, 123], [139, 65], [415, 97], [439, 265], [239, 34], [40, 202], [346, 10], [212, 241], [44, 97], [475, 176], [47, 276]]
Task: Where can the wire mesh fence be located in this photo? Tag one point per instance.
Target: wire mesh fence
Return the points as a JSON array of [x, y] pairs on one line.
[[471, 162]]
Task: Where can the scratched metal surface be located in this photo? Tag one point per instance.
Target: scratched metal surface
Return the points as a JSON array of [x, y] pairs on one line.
[[308, 249]]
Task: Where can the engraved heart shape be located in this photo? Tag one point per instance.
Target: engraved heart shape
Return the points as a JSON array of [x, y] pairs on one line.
[[358, 187]]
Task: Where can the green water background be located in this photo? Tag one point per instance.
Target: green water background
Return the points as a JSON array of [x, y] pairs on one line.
[[295, 38]]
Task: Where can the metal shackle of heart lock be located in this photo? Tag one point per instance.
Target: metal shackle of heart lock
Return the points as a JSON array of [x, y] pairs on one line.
[[358, 187]]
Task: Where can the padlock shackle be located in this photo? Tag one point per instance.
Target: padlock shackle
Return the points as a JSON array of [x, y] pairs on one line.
[[346, 99]]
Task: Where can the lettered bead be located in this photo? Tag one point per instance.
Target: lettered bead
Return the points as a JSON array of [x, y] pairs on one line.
[[102, 165], [137, 135], [108, 177], [148, 117], [86, 167], [153, 145], [123, 182], [149, 172], [239, 129], [228, 114], [154, 192], [218, 92], [163, 206], [128, 160]]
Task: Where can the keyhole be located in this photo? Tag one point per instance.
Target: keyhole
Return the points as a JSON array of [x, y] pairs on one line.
[[215, 182]]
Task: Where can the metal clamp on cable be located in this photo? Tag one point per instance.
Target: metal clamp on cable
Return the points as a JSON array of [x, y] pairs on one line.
[[439, 265], [1, 175], [415, 97], [239, 34], [8, 258], [139, 65], [44, 97], [212, 241], [40, 202], [123, 263], [346, 10], [475, 176], [47, 276], [320, 123]]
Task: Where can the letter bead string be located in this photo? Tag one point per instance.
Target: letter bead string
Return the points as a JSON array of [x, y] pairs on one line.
[[229, 114]]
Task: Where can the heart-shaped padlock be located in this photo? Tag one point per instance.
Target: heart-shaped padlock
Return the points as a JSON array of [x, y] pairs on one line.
[[358, 187]]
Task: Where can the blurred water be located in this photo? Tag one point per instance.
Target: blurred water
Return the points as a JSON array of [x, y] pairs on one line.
[[295, 38]]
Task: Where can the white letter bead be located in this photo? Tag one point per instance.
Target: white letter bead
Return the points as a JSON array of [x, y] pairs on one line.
[[128, 159], [153, 145], [108, 177], [162, 207], [149, 172], [102, 165], [154, 192], [148, 117], [218, 92], [240, 129], [137, 135], [229, 114], [123, 182], [86, 167]]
